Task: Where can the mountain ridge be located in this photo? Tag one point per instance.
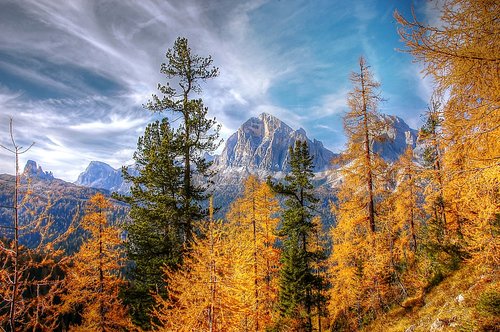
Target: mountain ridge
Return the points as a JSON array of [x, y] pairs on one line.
[[260, 146]]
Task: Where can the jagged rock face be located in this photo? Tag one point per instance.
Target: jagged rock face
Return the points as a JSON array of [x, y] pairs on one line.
[[262, 144], [101, 175], [394, 138], [32, 170]]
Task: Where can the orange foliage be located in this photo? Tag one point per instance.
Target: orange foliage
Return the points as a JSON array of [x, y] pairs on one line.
[[93, 279]]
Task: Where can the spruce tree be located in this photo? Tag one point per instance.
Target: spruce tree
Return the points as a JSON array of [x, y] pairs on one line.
[[297, 279], [165, 199]]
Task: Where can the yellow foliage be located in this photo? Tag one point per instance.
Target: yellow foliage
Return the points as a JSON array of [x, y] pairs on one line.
[[93, 280], [462, 55]]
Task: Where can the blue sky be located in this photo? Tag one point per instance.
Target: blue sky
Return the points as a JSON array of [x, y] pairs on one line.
[[74, 74]]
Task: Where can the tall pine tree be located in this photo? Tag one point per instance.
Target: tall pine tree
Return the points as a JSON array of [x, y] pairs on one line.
[[166, 199], [297, 279]]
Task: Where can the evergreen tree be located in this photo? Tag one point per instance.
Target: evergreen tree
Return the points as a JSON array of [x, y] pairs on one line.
[[297, 278], [154, 235], [195, 134], [165, 199]]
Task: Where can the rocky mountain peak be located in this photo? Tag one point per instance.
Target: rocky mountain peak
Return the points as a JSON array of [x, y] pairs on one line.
[[101, 175], [32, 170], [262, 143], [394, 138]]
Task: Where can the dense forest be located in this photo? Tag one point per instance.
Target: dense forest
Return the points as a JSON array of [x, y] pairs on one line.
[[401, 228]]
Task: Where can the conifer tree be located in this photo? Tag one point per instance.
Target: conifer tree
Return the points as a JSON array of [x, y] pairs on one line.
[[166, 200], [195, 134], [462, 56], [362, 127], [30, 276], [203, 294], [254, 216], [360, 263], [155, 234], [297, 278], [93, 280], [405, 217]]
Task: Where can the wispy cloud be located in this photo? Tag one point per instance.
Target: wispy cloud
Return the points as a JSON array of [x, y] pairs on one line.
[[97, 63]]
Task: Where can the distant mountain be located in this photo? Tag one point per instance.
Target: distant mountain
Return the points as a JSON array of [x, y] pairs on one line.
[[262, 143], [102, 176], [261, 147], [394, 138], [32, 170], [44, 195]]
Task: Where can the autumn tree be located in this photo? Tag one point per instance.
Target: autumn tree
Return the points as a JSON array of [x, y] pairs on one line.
[[203, 294], [406, 219], [297, 278], [360, 262], [362, 126], [11, 252], [166, 200], [93, 280], [254, 215], [462, 56], [31, 273]]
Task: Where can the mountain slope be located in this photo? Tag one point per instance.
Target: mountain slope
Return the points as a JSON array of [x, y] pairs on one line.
[[466, 300], [47, 197]]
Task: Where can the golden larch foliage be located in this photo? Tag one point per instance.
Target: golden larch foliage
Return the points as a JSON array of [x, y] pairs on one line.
[[254, 214], [462, 55], [93, 279], [204, 294]]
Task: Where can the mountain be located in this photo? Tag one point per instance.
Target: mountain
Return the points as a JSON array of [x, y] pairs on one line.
[[102, 176], [32, 170], [47, 197], [394, 138], [261, 147], [262, 144]]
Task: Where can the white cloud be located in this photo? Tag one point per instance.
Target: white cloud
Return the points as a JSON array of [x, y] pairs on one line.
[[331, 104], [121, 44]]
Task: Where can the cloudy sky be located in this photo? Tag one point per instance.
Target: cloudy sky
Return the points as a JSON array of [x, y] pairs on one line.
[[74, 74]]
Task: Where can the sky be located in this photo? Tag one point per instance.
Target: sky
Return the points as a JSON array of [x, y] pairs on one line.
[[74, 74]]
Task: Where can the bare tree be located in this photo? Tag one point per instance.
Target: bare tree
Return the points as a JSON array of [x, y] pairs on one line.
[[12, 250], [31, 273]]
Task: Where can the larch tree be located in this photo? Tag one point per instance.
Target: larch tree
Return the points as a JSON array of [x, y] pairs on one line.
[[462, 56], [204, 294], [254, 214], [362, 127], [406, 216], [360, 261], [170, 156], [93, 278], [297, 278]]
